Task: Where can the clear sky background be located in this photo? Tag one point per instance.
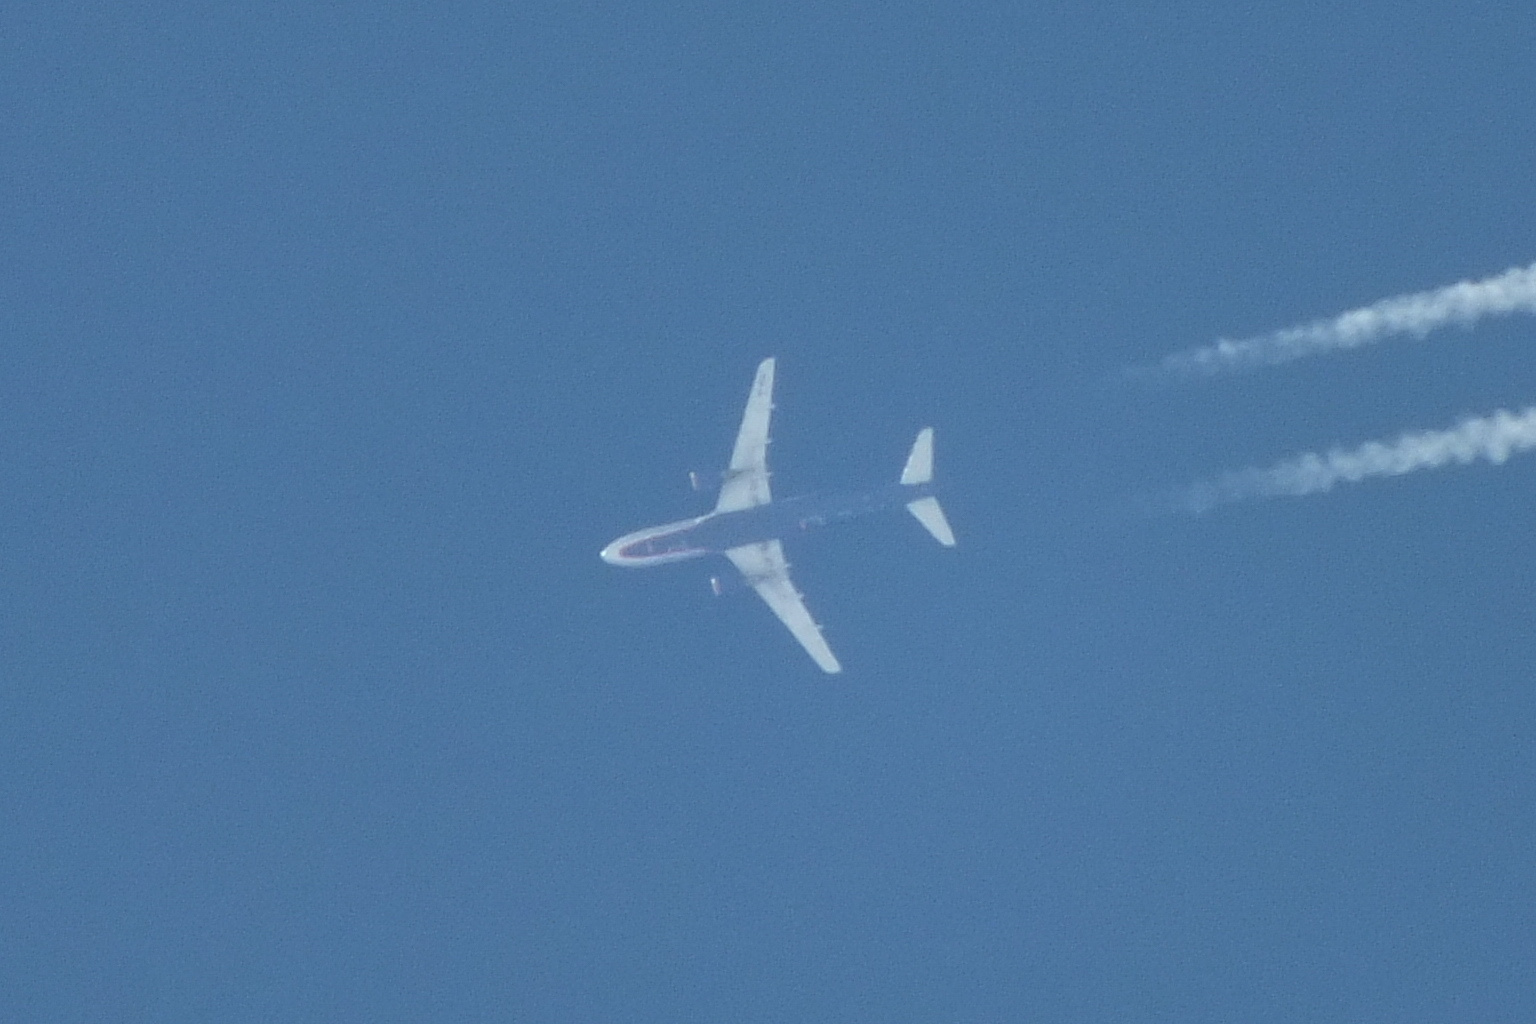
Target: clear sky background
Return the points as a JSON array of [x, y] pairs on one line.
[[338, 339]]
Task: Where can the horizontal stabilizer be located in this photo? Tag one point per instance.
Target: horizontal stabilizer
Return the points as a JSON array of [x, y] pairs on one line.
[[929, 513], [919, 468]]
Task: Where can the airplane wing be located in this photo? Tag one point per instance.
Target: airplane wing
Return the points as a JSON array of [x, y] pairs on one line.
[[746, 481], [764, 567]]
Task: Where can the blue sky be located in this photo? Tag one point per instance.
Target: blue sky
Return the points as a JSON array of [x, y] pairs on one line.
[[338, 341]]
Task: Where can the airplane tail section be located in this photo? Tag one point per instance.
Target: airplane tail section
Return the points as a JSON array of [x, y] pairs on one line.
[[931, 515], [919, 470]]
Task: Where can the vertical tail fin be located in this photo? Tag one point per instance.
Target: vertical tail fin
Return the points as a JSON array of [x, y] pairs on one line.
[[919, 470]]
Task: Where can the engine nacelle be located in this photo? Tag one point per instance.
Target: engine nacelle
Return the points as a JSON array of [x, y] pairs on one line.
[[722, 585], [703, 481]]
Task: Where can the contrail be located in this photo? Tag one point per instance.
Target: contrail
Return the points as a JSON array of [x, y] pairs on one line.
[[1490, 438], [1463, 304]]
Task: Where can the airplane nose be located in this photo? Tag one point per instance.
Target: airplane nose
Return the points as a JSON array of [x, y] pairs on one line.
[[610, 554]]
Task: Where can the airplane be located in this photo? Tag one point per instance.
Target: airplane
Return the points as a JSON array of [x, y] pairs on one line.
[[747, 526]]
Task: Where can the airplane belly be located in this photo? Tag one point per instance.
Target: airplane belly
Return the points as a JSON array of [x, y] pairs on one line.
[[730, 530], [672, 542], [790, 517]]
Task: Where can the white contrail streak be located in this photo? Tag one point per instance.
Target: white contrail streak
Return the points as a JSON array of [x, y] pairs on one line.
[[1489, 438], [1462, 304]]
